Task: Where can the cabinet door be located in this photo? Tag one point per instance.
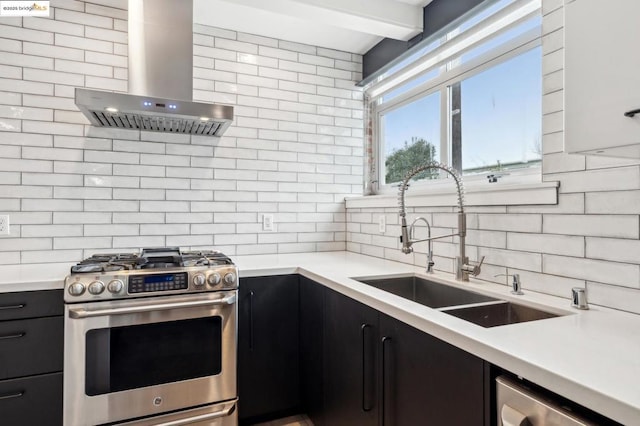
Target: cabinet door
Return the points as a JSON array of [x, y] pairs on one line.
[[601, 78], [31, 346], [311, 349], [350, 332], [35, 400], [31, 304], [425, 381], [268, 331]]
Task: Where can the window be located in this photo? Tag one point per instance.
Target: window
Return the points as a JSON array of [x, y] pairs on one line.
[[406, 138], [471, 100]]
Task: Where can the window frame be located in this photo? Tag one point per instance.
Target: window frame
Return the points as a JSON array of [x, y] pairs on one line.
[[510, 49]]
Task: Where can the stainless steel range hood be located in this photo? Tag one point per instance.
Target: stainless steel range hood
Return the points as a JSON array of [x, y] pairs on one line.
[[160, 77]]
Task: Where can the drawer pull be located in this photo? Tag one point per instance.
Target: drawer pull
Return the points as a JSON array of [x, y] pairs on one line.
[[13, 336], [11, 395], [20, 306]]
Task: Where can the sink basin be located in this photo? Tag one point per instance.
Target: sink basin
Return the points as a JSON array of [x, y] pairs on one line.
[[492, 315], [426, 292]]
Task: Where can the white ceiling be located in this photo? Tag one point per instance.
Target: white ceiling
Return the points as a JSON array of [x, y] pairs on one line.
[[349, 25]]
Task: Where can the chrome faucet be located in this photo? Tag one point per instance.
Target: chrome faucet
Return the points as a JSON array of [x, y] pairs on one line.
[[463, 266], [412, 240]]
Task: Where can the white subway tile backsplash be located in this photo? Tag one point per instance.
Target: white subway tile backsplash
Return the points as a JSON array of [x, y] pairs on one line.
[[143, 218], [162, 229], [254, 39], [53, 26], [79, 218], [616, 226], [63, 243], [82, 193], [111, 206], [48, 205], [612, 202], [616, 297], [622, 274], [277, 74], [135, 242], [30, 87], [83, 168], [82, 43], [138, 194], [164, 206], [613, 249], [45, 231], [105, 34], [544, 243], [19, 244], [511, 222], [83, 18]]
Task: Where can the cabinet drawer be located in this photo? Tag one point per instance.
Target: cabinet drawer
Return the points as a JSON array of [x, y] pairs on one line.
[[32, 346], [31, 304], [32, 401]]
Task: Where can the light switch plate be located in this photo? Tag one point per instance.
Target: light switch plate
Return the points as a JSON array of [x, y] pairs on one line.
[[267, 222], [4, 224]]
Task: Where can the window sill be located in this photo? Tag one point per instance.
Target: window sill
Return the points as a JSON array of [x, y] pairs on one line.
[[540, 193]]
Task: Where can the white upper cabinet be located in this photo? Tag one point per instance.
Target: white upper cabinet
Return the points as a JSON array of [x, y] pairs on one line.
[[602, 77]]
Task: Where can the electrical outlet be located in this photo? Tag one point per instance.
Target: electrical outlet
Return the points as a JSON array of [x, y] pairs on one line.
[[267, 222], [382, 224], [4, 224]]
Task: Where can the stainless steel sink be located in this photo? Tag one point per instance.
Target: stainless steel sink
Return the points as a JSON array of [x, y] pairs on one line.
[[502, 313], [485, 311], [427, 292]]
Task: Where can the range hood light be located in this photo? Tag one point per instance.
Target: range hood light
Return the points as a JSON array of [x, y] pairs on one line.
[[111, 109], [204, 118]]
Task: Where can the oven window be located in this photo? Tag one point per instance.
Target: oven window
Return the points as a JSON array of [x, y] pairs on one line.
[[122, 358]]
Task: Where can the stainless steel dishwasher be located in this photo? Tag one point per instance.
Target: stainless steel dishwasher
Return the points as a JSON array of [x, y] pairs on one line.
[[518, 405]]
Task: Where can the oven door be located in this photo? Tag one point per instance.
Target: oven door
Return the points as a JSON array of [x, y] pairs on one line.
[[132, 358]]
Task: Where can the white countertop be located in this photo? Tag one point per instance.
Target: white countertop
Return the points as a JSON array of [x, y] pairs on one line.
[[591, 357]]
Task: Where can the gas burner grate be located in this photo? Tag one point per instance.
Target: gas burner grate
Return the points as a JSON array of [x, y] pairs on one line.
[[155, 258]]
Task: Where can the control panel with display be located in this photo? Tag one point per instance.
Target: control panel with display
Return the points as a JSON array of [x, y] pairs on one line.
[[158, 282]]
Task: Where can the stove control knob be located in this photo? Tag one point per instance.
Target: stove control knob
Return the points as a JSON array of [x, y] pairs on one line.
[[96, 287], [115, 286], [230, 278], [199, 280], [76, 289], [214, 279]]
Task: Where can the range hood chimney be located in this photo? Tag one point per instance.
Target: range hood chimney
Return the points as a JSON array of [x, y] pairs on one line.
[[160, 77]]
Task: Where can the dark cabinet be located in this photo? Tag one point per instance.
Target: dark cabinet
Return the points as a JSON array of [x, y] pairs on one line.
[[381, 371], [31, 346], [268, 347], [31, 357], [311, 350], [424, 380], [35, 400], [304, 347], [350, 353]]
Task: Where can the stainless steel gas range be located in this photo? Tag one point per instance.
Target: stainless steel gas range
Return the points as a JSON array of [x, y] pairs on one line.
[[150, 339]]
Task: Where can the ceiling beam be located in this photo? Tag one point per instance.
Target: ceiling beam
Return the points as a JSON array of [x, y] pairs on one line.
[[384, 18]]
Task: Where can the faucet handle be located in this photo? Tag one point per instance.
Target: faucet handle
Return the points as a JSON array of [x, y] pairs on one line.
[[475, 267]]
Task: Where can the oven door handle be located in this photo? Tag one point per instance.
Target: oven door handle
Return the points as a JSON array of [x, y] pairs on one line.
[[210, 416], [89, 313]]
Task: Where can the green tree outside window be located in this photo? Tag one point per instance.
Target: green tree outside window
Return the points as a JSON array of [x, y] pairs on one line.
[[400, 161]]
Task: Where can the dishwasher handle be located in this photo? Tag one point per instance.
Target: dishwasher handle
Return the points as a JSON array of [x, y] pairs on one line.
[[512, 417]]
